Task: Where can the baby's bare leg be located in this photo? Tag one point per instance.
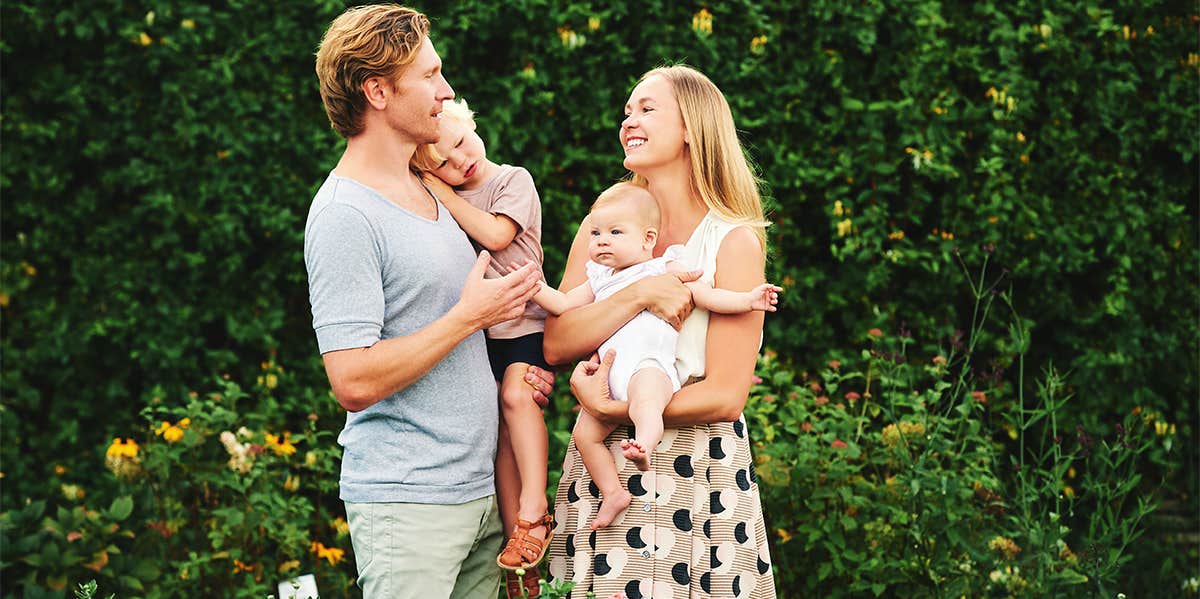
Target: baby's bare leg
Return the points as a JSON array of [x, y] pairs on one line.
[[589, 440], [649, 391]]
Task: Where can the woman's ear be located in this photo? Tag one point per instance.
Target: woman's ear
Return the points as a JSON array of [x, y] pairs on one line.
[[377, 90]]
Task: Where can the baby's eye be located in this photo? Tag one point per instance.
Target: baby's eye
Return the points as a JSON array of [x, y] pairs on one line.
[[616, 231], [595, 233]]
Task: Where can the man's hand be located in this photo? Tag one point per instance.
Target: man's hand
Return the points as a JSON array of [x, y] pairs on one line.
[[589, 383], [666, 297], [488, 302], [542, 382]]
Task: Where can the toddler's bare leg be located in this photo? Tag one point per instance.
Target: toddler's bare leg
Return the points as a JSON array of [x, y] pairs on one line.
[[526, 430], [649, 391], [589, 440]]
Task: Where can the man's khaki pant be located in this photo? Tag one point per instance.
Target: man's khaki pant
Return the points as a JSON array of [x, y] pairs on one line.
[[414, 550]]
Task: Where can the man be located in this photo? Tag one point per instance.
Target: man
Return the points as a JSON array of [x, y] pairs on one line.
[[399, 305]]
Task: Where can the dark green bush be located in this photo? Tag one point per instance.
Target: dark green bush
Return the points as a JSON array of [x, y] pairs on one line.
[[159, 158]]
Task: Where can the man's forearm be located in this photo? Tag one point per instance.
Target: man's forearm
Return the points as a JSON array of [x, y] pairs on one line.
[[361, 377]]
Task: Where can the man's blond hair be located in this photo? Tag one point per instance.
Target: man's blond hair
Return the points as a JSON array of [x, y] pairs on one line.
[[427, 158], [365, 42]]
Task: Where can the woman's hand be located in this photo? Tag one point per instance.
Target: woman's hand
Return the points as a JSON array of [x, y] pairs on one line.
[[542, 382], [589, 384], [666, 297]]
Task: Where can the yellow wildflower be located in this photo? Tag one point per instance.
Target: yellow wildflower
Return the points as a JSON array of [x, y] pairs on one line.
[[281, 445], [702, 21], [4, 299], [292, 483], [1024, 158], [757, 44], [1020, 137], [187, 24], [1069, 491], [1161, 428], [29, 269], [844, 227], [240, 566], [896, 235], [72, 491], [892, 433], [144, 39], [222, 154], [993, 219], [59, 469], [837, 208], [1005, 547], [593, 23], [784, 536], [333, 554], [1045, 30], [340, 525], [122, 458]]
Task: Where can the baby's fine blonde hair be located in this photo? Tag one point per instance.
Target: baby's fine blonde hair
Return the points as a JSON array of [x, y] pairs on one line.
[[635, 197], [427, 158]]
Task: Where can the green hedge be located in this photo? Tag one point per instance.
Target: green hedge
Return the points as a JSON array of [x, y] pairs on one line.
[[159, 158]]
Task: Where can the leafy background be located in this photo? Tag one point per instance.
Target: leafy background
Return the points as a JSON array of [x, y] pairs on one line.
[[159, 158]]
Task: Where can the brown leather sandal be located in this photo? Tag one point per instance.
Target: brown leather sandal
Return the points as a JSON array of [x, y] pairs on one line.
[[513, 584], [524, 550]]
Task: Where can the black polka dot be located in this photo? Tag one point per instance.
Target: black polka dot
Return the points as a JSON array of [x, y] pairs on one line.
[[572, 493], [739, 428], [763, 567], [631, 431], [633, 590], [634, 537], [592, 540], [739, 533], [753, 474], [593, 489], [601, 566], [570, 545], [706, 582], [714, 503], [635, 485], [715, 450], [683, 520], [737, 586], [680, 573], [708, 475], [683, 466], [713, 561], [708, 528], [743, 479]]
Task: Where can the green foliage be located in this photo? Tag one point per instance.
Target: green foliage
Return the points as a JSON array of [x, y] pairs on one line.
[[886, 477], [159, 158]]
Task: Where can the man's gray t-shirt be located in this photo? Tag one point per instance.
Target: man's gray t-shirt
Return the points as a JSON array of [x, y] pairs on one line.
[[377, 271]]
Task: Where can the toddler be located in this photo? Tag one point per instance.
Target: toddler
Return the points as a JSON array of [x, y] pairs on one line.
[[624, 229], [497, 206]]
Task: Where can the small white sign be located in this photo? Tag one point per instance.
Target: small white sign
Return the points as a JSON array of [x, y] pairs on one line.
[[301, 587]]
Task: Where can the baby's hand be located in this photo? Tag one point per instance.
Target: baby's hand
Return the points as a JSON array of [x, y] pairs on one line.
[[764, 297]]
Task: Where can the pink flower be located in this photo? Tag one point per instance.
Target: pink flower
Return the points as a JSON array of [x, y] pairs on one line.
[[853, 396], [822, 400], [979, 396], [838, 444], [755, 379], [834, 364], [806, 427], [875, 333]]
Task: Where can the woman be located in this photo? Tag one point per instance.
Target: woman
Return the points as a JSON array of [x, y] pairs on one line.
[[695, 526]]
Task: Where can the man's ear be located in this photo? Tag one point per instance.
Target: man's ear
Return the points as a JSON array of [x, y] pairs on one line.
[[377, 90], [651, 238]]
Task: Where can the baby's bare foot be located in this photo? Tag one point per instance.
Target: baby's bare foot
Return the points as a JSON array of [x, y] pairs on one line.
[[613, 504], [637, 453]]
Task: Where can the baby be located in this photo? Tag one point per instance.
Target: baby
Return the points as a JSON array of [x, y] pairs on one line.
[[624, 229]]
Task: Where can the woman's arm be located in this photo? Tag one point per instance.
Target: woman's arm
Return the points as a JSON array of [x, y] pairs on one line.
[[492, 231], [579, 332], [730, 355]]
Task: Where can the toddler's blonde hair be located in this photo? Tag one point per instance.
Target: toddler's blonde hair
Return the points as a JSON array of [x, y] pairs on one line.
[[427, 158]]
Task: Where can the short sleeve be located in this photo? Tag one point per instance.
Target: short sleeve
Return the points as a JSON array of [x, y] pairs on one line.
[[345, 284], [596, 273], [518, 199], [677, 253]]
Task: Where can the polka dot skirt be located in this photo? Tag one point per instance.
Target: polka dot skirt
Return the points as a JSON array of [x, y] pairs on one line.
[[694, 529]]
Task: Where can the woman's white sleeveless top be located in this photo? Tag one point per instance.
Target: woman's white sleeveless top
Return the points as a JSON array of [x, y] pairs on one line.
[[700, 252]]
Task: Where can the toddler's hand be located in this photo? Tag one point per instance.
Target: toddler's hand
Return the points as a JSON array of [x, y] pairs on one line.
[[764, 297]]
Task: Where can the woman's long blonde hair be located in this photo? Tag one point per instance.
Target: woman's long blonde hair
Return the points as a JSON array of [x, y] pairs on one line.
[[721, 173]]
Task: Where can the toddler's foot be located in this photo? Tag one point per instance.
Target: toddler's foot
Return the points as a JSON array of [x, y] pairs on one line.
[[613, 504], [637, 453]]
